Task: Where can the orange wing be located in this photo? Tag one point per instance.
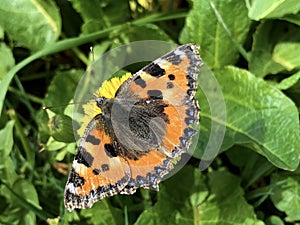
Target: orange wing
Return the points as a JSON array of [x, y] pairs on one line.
[[97, 171], [165, 89], [170, 81]]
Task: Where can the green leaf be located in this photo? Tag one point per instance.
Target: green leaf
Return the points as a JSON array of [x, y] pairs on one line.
[[252, 166], [197, 201], [6, 58], [61, 128], [62, 89], [7, 167], [98, 14], [106, 214], [226, 203], [287, 55], [274, 220], [42, 120], [257, 114], [177, 205], [289, 82], [27, 191], [32, 24], [293, 18], [142, 32], [203, 28], [6, 139], [266, 37], [286, 197], [272, 8]]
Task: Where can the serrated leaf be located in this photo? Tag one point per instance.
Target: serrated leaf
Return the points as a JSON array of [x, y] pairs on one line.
[[257, 114], [32, 24], [203, 28], [287, 55], [286, 197], [272, 8], [266, 37], [6, 58], [289, 82]]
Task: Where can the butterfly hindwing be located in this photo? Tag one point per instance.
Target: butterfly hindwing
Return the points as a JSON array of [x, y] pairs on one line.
[[97, 171]]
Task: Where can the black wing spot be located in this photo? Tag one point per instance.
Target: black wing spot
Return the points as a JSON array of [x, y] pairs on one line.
[[105, 167], [171, 76], [154, 70], [96, 171], [155, 94], [170, 85], [84, 157], [140, 82], [92, 139], [110, 150]]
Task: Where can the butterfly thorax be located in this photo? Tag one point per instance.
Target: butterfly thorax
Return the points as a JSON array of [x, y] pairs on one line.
[[134, 126]]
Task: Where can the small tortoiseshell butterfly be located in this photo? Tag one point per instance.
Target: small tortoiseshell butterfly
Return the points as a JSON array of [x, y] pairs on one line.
[[140, 134]]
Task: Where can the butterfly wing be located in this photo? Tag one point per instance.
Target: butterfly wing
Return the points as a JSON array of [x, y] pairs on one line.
[[96, 171], [171, 82]]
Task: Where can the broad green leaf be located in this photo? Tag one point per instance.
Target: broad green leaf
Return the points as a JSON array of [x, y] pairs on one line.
[[176, 203], [293, 18], [62, 89], [200, 200], [106, 214], [286, 197], [32, 24], [53, 145], [226, 203], [266, 37], [26, 190], [289, 82], [272, 8], [203, 28], [7, 60], [98, 14], [287, 55], [72, 147], [257, 115], [274, 220], [140, 33], [252, 166]]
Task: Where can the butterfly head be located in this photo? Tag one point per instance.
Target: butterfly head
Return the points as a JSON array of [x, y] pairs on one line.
[[102, 103]]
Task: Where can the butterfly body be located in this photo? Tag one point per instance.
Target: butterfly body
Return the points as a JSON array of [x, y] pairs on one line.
[[140, 134]]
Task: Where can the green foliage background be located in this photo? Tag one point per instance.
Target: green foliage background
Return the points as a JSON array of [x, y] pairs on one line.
[[253, 49]]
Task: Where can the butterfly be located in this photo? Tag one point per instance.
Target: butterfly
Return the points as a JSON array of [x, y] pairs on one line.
[[141, 132]]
